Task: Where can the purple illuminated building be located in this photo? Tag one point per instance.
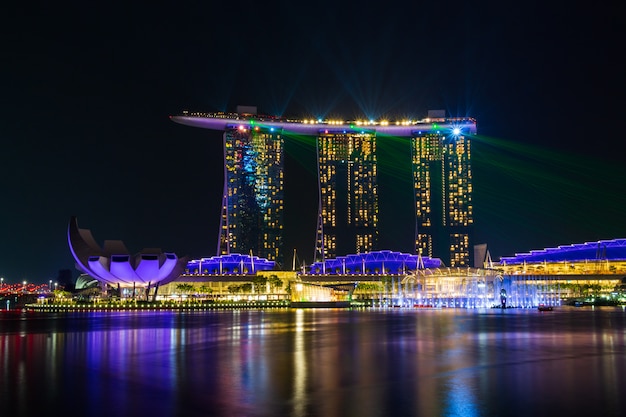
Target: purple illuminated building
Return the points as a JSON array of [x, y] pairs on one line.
[[113, 264]]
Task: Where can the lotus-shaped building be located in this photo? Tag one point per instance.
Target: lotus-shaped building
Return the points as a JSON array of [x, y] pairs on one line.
[[113, 264]]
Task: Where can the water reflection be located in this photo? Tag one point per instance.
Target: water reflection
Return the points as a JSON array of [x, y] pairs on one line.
[[300, 367], [315, 363]]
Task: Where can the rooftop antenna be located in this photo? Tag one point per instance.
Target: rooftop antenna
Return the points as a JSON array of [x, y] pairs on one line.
[[488, 261], [420, 261]]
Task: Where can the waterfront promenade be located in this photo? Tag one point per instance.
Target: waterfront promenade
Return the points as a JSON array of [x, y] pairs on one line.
[[154, 306]]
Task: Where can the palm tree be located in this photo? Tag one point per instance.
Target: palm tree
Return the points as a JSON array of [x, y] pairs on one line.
[[259, 283], [275, 282], [184, 287], [205, 289]]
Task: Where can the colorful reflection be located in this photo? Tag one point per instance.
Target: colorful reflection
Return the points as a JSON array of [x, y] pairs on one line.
[[315, 362]]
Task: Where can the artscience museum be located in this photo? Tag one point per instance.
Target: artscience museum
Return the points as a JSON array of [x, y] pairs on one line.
[[114, 265]]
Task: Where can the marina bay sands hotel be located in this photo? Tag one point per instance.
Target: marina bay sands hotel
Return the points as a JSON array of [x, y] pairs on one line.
[[347, 168]]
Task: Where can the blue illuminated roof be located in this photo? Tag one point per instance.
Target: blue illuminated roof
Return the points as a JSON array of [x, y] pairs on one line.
[[232, 264], [612, 250], [373, 263]]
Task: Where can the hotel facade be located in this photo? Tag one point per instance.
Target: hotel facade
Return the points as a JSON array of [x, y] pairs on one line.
[[347, 168], [252, 204]]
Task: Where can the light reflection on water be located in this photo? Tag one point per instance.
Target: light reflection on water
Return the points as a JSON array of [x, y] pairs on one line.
[[315, 362]]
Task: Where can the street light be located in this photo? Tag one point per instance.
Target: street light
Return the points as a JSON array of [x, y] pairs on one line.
[[50, 286], [24, 287]]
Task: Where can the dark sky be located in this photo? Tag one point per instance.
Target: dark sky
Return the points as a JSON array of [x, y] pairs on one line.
[[87, 91]]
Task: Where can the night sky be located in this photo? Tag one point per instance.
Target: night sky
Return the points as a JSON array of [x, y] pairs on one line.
[[87, 91]]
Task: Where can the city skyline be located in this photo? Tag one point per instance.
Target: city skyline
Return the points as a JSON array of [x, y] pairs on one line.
[[88, 92]]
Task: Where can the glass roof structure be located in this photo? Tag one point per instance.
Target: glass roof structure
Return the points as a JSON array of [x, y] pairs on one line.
[[231, 264], [379, 262], [612, 250]]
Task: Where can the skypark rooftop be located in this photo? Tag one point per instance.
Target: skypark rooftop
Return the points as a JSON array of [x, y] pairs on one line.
[[222, 121]]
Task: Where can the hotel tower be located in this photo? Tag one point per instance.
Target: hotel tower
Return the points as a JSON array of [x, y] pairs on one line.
[[442, 184], [252, 203], [251, 219], [348, 193], [347, 166]]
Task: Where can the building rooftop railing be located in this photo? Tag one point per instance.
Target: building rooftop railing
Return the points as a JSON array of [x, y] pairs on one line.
[[324, 122]]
